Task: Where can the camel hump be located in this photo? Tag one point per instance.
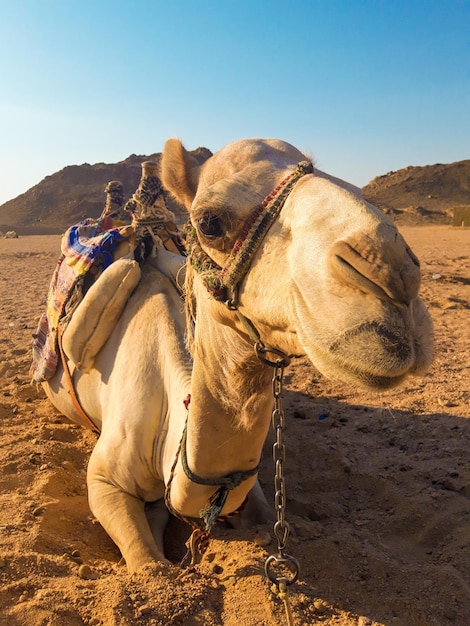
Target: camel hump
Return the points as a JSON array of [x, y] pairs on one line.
[[98, 313]]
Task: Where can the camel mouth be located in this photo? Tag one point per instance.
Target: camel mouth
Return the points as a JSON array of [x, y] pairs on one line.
[[345, 371], [377, 355], [371, 380], [391, 340]]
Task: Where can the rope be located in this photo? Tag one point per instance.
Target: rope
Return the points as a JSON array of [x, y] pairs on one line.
[[211, 513], [198, 542], [282, 592], [222, 283], [71, 386]]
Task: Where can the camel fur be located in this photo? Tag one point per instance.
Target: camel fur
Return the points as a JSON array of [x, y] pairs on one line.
[[332, 279]]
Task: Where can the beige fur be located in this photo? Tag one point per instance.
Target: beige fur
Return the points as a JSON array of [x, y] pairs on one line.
[[97, 314], [333, 280]]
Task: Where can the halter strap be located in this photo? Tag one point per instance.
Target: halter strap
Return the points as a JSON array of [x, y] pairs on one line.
[[223, 283], [225, 483], [71, 387]]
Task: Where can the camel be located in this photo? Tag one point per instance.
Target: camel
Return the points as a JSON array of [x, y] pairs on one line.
[[283, 261]]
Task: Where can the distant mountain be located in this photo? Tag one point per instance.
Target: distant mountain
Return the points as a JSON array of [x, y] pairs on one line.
[[74, 193], [422, 195], [413, 195]]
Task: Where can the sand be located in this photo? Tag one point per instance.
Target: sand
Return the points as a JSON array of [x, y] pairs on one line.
[[378, 488]]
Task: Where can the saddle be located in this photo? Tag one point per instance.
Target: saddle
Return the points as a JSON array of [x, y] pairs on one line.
[[97, 272]]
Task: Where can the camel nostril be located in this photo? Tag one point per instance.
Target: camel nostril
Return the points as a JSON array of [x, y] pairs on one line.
[[351, 269], [350, 275], [389, 273]]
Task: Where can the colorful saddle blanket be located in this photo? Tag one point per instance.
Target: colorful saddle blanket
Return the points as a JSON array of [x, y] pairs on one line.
[[86, 249]]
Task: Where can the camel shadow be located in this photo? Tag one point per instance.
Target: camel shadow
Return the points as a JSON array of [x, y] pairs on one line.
[[379, 501]]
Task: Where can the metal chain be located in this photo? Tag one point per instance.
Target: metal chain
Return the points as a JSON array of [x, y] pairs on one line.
[[287, 564], [281, 529]]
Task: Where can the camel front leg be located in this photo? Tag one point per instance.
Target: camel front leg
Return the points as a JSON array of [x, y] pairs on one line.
[[257, 510], [157, 516], [123, 517]]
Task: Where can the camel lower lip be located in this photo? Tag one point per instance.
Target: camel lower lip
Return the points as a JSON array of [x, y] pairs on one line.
[[337, 367], [376, 381], [370, 354], [390, 340]]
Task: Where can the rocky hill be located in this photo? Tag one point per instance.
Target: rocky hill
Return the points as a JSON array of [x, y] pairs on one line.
[[74, 193], [422, 195], [412, 195]]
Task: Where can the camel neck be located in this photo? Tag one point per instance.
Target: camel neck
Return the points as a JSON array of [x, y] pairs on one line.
[[227, 419]]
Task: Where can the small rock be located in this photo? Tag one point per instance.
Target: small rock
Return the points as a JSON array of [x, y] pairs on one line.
[[449, 484], [318, 605], [364, 621], [94, 621], [68, 465], [3, 563], [262, 539], [303, 528], [217, 569], [443, 402], [76, 553], [85, 572], [23, 597], [145, 609]]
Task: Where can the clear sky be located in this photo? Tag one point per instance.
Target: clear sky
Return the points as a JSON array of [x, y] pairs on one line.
[[366, 86]]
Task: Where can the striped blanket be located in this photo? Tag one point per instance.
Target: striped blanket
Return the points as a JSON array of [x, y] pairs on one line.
[[86, 249]]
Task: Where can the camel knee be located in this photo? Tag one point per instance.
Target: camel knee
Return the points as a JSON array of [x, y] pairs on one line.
[[157, 516], [257, 510]]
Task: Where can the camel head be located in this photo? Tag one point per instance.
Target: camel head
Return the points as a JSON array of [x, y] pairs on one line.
[[332, 278]]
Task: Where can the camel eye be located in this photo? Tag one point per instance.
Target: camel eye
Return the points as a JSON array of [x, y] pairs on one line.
[[210, 226]]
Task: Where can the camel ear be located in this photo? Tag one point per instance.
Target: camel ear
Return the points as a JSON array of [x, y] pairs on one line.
[[179, 172]]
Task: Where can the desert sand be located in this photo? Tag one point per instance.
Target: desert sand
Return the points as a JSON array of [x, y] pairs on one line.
[[378, 488]]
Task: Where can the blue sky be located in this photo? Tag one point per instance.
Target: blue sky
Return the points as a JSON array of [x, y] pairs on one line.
[[365, 86]]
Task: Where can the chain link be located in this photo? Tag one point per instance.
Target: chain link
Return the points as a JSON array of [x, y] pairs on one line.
[[281, 527]]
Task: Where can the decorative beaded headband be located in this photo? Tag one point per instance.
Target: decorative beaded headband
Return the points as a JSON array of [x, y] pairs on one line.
[[223, 282]]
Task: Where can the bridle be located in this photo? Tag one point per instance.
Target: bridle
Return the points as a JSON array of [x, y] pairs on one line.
[[223, 283]]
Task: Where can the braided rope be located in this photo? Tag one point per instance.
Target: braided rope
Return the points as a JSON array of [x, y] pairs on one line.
[[198, 542], [220, 282], [223, 282], [256, 226], [211, 513]]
